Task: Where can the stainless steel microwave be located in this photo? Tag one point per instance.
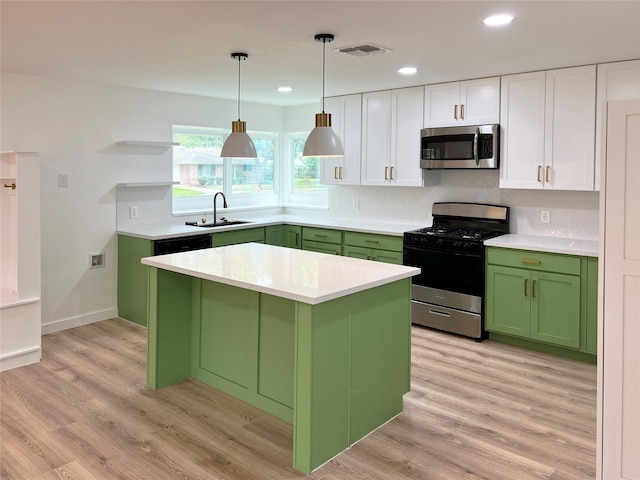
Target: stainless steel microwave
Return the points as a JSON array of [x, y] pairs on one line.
[[474, 146]]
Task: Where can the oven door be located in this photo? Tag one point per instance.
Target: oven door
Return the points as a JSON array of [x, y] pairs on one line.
[[445, 270]]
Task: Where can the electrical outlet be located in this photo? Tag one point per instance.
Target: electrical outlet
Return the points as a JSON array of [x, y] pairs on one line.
[[133, 212], [356, 204], [63, 180], [545, 216]]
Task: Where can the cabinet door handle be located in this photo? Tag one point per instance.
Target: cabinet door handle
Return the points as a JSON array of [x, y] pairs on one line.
[[533, 289], [391, 171], [335, 173], [386, 173], [526, 285], [539, 171], [528, 260], [297, 239], [462, 111], [546, 174], [340, 173], [371, 241], [455, 112]]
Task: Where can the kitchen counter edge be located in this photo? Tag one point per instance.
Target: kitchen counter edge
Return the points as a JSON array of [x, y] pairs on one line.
[[175, 231], [566, 246]]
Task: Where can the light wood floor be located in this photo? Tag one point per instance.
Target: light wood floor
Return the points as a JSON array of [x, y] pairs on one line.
[[475, 411]]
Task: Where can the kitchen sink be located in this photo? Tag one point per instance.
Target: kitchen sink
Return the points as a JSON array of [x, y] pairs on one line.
[[221, 223]]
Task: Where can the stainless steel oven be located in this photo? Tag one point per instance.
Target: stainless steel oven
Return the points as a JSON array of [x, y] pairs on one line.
[[448, 294]]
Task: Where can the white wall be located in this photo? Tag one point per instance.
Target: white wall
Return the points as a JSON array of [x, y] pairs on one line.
[[73, 126]]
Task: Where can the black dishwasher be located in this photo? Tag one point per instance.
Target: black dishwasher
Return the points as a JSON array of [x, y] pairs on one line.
[[181, 244]]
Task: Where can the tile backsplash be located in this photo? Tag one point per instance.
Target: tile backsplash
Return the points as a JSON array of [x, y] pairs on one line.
[[573, 214]]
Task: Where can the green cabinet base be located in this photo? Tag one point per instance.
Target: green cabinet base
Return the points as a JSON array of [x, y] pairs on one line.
[[336, 370]]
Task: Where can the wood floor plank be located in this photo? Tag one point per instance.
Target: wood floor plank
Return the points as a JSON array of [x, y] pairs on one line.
[[475, 411]]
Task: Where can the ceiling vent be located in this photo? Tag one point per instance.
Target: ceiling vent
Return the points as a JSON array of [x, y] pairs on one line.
[[363, 50]]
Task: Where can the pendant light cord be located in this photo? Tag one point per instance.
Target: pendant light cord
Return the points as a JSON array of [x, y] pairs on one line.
[[324, 56], [239, 61]]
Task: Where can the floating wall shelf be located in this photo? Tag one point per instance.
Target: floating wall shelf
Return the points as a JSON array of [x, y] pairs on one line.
[[146, 184], [140, 143]]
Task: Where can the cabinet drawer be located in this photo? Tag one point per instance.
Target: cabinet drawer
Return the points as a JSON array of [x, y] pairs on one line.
[[547, 262], [322, 247], [322, 235], [370, 240]]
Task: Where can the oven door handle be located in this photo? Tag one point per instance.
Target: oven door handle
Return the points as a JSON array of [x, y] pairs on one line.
[[441, 314], [475, 147]]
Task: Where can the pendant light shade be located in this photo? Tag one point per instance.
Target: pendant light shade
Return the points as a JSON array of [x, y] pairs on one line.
[[239, 144], [323, 140]]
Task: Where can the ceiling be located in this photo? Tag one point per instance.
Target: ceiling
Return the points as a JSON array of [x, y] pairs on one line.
[[184, 46]]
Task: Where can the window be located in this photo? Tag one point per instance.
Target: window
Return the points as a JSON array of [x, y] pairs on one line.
[[305, 186], [201, 172]]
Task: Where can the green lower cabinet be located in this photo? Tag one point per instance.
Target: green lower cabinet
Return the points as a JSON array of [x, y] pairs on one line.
[[507, 307], [364, 253], [274, 235], [336, 370], [322, 247], [292, 236], [542, 301], [322, 240], [591, 341], [233, 237], [369, 246], [133, 278], [555, 308]]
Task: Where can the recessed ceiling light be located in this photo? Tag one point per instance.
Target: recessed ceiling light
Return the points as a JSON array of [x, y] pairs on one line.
[[285, 89], [498, 20], [407, 70]]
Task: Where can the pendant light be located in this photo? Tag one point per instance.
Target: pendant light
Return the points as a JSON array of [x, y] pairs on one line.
[[323, 141], [239, 144]]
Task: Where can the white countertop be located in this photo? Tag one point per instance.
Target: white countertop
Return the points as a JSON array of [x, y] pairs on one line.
[[569, 246], [173, 231], [299, 275]]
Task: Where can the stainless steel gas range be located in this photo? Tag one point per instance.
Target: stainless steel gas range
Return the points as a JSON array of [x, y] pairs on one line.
[[448, 294]]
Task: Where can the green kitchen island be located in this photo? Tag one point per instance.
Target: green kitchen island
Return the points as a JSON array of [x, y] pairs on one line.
[[320, 341]]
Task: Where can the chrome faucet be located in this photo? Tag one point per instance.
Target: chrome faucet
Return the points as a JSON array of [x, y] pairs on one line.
[[224, 205]]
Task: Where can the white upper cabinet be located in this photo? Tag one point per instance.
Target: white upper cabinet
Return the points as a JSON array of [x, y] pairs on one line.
[[616, 81], [346, 120], [548, 121], [570, 116], [391, 124], [471, 102], [522, 130]]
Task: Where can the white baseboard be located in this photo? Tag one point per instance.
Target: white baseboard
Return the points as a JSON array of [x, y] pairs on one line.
[[67, 323], [20, 359]]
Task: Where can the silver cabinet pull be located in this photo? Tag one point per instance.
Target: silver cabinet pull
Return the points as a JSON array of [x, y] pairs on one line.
[[441, 314], [462, 111]]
